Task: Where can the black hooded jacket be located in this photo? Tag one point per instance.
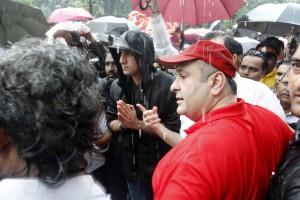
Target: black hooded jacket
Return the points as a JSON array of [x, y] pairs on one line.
[[285, 184], [141, 151]]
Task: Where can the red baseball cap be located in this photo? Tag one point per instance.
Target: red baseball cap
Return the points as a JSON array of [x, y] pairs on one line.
[[212, 53]]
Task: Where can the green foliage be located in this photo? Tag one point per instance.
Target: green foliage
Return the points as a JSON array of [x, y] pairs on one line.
[[99, 8]]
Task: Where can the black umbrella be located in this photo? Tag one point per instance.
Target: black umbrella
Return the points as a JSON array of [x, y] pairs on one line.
[[18, 20], [273, 19]]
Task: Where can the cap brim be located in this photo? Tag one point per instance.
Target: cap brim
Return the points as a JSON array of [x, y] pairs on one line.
[[172, 61]]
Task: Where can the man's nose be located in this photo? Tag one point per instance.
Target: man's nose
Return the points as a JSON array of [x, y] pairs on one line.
[[174, 86], [122, 58], [297, 83]]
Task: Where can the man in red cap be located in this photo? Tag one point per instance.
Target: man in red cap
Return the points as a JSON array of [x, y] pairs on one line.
[[233, 148]]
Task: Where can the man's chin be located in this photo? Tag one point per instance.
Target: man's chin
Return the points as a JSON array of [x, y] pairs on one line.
[[296, 110], [180, 111]]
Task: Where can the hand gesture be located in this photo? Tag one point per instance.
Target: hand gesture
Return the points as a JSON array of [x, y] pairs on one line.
[[127, 115], [150, 117]]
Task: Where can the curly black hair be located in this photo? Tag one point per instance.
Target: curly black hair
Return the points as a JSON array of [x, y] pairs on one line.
[[49, 103]]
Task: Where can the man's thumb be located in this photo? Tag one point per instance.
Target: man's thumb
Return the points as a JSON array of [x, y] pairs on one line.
[[141, 107]]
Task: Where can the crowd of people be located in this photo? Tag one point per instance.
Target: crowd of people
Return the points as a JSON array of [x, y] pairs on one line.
[[135, 118]]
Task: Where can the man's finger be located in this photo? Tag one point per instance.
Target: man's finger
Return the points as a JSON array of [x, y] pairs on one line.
[[141, 107]]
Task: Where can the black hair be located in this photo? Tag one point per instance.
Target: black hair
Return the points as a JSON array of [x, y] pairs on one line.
[[233, 46], [272, 42], [232, 85], [49, 103], [229, 42]]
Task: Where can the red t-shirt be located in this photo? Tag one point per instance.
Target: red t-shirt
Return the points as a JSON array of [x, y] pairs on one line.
[[229, 154]]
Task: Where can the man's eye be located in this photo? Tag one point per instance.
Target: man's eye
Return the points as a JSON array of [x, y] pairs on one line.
[[296, 67], [181, 75]]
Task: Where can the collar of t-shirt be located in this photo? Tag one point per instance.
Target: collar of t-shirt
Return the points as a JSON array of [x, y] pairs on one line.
[[232, 110]]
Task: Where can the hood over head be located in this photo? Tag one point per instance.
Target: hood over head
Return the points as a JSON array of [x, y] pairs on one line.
[[142, 46]]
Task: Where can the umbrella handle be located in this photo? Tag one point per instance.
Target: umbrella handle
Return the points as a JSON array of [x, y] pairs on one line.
[[144, 6]]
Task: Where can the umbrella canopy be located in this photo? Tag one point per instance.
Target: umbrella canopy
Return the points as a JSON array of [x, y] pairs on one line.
[[274, 19], [247, 43], [69, 14], [18, 20], [102, 27], [111, 25], [195, 12]]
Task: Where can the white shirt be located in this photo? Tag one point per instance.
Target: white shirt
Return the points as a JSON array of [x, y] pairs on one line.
[[257, 93], [291, 119], [81, 187]]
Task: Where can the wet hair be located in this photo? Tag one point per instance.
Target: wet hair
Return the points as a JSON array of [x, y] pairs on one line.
[[232, 85], [229, 42], [272, 42], [207, 70], [48, 105], [259, 54], [233, 46]]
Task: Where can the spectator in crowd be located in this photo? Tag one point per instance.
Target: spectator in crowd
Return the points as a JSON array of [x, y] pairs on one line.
[[110, 174], [283, 94], [286, 181], [230, 137], [282, 68], [139, 82], [254, 65], [49, 108], [272, 47]]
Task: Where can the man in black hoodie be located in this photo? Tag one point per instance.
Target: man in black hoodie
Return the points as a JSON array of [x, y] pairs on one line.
[[139, 83]]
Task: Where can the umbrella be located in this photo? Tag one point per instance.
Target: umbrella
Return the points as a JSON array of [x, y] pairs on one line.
[[195, 12], [102, 27], [18, 20], [273, 19], [71, 26], [247, 43], [69, 14]]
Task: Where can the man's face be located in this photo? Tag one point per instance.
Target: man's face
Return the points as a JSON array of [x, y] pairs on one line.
[[294, 83], [271, 57], [110, 67], [283, 91], [191, 91], [129, 65], [251, 67], [283, 68]]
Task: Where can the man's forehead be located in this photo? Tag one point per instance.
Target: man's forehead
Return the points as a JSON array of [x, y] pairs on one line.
[[183, 66]]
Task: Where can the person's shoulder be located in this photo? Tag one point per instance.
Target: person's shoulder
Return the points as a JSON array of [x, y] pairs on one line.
[[163, 76], [19, 188], [255, 85]]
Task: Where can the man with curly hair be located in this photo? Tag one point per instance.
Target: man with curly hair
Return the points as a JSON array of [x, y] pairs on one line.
[[49, 106]]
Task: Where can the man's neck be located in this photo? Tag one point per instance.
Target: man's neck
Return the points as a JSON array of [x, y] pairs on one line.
[[137, 79], [225, 101], [286, 108]]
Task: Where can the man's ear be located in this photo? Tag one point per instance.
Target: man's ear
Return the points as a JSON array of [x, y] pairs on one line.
[[217, 83]]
